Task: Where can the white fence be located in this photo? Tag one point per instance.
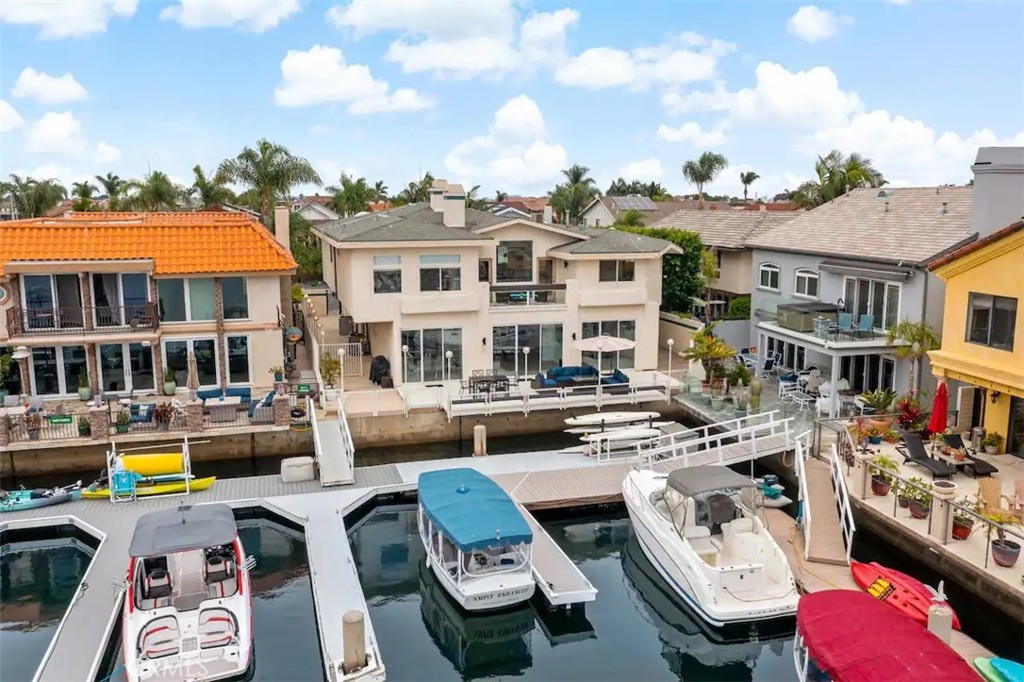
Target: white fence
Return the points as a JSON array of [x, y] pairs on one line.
[[803, 497], [842, 494], [351, 361], [758, 434]]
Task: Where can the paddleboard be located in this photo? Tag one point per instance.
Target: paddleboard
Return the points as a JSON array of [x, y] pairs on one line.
[[142, 490], [989, 673], [903, 592], [584, 430], [609, 418], [619, 435], [1010, 670]]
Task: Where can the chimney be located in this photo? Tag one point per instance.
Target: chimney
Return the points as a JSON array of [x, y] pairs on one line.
[[436, 193], [998, 193], [281, 225], [549, 217], [763, 208], [454, 206]]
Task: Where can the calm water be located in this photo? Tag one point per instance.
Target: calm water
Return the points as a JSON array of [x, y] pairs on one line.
[[287, 645], [635, 630], [37, 582]]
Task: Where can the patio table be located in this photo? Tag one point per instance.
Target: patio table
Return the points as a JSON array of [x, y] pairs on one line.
[[222, 409]]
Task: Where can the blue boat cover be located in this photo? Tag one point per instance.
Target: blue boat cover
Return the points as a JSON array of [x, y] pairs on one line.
[[471, 509]]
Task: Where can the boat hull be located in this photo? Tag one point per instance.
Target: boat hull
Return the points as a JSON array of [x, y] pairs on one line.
[[169, 487], [489, 593], [904, 593], [20, 500]]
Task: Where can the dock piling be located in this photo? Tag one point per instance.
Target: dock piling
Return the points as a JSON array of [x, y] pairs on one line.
[[940, 622], [353, 633], [479, 440]]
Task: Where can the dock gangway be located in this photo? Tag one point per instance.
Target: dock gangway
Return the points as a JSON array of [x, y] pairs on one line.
[[826, 518], [332, 446]]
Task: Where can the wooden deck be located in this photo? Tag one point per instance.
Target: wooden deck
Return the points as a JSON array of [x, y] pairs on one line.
[[827, 545]]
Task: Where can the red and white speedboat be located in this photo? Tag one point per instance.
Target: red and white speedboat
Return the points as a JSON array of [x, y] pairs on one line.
[[188, 601]]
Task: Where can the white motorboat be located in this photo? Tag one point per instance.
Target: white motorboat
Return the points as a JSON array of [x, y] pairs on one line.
[[478, 543], [610, 418], [187, 611], [700, 532]]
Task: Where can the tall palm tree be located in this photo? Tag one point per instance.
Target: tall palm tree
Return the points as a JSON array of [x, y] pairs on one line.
[[500, 196], [83, 193], [112, 185], [703, 172], [837, 175], [352, 196], [380, 191], [579, 175], [270, 169], [918, 338], [31, 198], [154, 192], [573, 195], [211, 191], [748, 179]]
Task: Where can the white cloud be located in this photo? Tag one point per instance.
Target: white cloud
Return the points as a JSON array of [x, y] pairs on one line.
[[56, 133], [644, 169], [513, 154], [692, 133], [245, 14], [106, 153], [319, 129], [686, 59], [9, 118], [459, 39], [321, 75], [48, 89], [52, 170], [813, 24], [70, 19]]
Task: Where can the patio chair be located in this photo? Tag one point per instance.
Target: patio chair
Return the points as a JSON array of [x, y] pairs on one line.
[[866, 325], [792, 393], [914, 452], [845, 324], [978, 467], [767, 368], [990, 492], [35, 404]]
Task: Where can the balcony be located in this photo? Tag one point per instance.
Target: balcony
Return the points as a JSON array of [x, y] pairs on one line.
[[81, 321], [527, 295]]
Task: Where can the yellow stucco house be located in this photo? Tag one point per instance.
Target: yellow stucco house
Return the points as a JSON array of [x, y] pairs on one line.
[[983, 333]]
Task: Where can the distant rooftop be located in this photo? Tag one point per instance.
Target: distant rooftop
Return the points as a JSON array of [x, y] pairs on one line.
[[726, 229]]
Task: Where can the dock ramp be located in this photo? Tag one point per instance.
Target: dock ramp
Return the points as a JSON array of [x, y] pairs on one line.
[[826, 519], [333, 448], [560, 581]]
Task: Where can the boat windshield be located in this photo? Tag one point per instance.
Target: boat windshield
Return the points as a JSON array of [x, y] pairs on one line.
[[710, 510], [494, 559]]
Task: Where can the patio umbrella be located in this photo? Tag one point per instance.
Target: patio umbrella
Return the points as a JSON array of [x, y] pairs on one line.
[[937, 424], [192, 382], [604, 344]]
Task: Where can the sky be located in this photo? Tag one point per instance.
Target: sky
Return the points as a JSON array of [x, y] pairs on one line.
[[504, 94]]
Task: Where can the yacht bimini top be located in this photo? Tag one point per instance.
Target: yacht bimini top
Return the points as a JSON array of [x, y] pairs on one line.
[[692, 481], [471, 509], [178, 530]]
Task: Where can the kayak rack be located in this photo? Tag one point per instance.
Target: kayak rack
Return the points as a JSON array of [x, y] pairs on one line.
[[123, 480]]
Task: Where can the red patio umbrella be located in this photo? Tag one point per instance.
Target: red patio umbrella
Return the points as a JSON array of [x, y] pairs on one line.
[[937, 424]]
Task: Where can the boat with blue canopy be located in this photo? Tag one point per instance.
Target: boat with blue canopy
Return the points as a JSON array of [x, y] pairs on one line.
[[478, 543]]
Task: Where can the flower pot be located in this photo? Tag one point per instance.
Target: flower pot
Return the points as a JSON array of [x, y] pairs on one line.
[[121, 428], [1005, 552], [880, 486], [33, 434], [716, 403], [278, 376], [84, 431], [170, 387], [875, 440], [904, 502], [85, 393], [163, 426], [881, 423], [919, 510], [991, 449], [962, 529]]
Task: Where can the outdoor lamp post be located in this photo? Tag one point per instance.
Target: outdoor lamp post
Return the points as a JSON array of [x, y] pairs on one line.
[[670, 343], [405, 363], [341, 369], [526, 360], [448, 360]]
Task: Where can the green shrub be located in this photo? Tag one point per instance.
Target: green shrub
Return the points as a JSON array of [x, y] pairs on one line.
[[739, 309]]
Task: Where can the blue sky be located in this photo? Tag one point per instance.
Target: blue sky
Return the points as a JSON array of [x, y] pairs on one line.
[[504, 94]]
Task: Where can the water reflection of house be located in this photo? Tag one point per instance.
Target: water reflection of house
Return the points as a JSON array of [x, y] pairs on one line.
[[386, 548], [37, 584]]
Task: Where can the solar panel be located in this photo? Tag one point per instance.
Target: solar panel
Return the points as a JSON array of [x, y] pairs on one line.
[[634, 202]]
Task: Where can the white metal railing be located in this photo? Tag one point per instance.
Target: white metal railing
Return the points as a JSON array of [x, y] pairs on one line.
[[842, 494], [748, 429], [803, 498], [346, 438], [351, 361]]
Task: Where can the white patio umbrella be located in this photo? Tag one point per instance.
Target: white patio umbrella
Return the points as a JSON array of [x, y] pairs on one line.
[[604, 344], [192, 382]]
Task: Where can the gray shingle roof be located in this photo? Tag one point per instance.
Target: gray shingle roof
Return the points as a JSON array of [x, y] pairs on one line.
[[905, 224], [725, 228], [414, 223], [614, 241]]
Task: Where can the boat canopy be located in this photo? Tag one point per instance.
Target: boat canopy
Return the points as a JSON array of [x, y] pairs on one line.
[[692, 481], [471, 509], [179, 530], [856, 638]]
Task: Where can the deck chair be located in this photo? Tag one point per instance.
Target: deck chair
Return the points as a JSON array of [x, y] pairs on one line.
[[768, 368], [866, 325], [978, 467], [914, 452], [122, 486], [990, 491], [845, 325]]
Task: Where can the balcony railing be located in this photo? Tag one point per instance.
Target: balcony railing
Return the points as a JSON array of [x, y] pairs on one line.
[[78, 321], [503, 296]]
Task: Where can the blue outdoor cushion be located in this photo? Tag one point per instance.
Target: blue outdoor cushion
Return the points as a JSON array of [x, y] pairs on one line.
[[209, 393], [266, 401], [141, 413], [243, 392]]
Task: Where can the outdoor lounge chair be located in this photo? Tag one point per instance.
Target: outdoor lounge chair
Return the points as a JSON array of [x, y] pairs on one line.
[[978, 467], [990, 491], [914, 452], [865, 325]]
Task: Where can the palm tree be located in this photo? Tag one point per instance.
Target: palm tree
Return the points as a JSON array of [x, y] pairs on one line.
[[211, 191], [500, 196], [380, 191], [270, 169], [31, 198], [703, 172], [837, 175], [709, 273], [112, 186], [83, 193], [472, 201], [631, 218], [154, 192], [918, 338], [353, 196], [573, 195], [618, 188], [748, 179]]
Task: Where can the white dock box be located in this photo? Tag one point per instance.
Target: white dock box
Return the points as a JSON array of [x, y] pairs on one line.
[[296, 469]]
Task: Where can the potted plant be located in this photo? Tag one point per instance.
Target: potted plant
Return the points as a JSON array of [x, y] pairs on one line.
[[963, 523], [910, 417], [881, 483], [162, 413], [84, 390], [278, 373], [1004, 552], [905, 492], [992, 442], [122, 422], [710, 351], [84, 427], [33, 423], [170, 383], [921, 501], [880, 402], [330, 368], [890, 435]]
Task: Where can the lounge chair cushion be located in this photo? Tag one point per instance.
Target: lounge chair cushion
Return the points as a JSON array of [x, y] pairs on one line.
[[242, 392], [209, 393]]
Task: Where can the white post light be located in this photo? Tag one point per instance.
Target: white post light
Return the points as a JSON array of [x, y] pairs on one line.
[[341, 369], [526, 357], [448, 360], [405, 363], [670, 343]]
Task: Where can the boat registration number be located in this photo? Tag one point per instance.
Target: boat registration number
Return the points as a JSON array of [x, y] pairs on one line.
[[881, 588]]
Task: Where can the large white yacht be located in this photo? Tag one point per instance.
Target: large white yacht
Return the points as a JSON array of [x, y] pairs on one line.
[[188, 602], [698, 528], [478, 543]]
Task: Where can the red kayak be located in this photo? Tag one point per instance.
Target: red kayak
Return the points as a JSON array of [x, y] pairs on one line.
[[901, 591]]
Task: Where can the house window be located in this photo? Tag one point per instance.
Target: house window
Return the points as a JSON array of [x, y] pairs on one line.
[[807, 283], [238, 360], [508, 342], [171, 295], [176, 359], [426, 356], [623, 359], [878, 298], [201, 299], [991, 320], [387, 274], [235, 298], [769, 277], [483, 269], [617, 271], [514, 262], [440, 272]]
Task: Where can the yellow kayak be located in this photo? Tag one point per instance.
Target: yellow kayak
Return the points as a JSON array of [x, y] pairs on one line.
[[144, 490], [154, 464]]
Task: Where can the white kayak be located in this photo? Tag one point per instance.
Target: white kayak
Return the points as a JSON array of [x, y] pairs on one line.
[[619, 435], [608, 418], [597, 428]]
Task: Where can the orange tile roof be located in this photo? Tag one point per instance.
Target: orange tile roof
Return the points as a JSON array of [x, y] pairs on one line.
[[178, 243]]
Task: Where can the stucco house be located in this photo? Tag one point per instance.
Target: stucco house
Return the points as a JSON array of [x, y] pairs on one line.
[[603, 211], [442, 290]]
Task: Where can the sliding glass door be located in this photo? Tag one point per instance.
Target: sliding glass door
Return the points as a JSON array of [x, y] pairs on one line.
[[625, 329], [55, 369], [176, 359], [125, 367], [543, 340], [426, 355]]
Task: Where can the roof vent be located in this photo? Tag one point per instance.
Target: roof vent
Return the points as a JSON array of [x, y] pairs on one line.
[[936, 191], [882, 194], [945, 204]]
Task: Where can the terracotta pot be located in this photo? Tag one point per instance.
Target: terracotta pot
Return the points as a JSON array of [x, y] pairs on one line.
[[880, 486], [881, 423], [919, 510], [962, 531], [1005, 552]]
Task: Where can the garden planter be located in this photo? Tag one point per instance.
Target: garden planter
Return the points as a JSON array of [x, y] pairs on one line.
[[881, 423], [919, 510], [162, 426], [716, 403], [962, 529], [880, 486], [991, 450], [33, 434], [121, 428], [1005, 552], [170, 387], [85, 393], [279, 376], [904, 502], [84, 431], [875, 440]]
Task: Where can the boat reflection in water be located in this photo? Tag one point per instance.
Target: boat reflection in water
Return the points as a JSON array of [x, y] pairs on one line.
[[477, 644], [694, 650]]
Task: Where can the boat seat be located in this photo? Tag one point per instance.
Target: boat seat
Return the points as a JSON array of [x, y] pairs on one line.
[[216, 628], [160, 638], [741, 543], [220, 577], [699, 538], [157, 584]]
